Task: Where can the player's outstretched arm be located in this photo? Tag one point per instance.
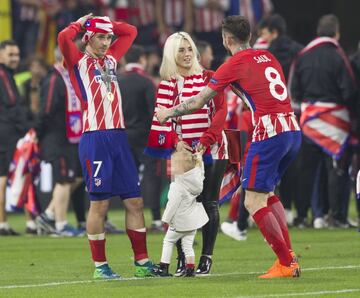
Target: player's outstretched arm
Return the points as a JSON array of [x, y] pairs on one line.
[[189, 106]]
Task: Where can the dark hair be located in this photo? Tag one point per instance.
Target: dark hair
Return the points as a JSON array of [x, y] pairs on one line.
[[202, 45], [38, 59], [275, 23], [7, 42], [238, 26], [328, 25], [134, 54]]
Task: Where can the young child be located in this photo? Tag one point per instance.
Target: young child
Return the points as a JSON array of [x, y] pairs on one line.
[[182, 213]]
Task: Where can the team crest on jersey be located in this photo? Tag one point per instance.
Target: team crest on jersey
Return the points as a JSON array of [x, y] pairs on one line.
[[97, 182], [161, 139]]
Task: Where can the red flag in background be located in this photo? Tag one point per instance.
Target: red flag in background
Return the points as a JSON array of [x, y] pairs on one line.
[[24, 170], [231, 180], [230, 183]]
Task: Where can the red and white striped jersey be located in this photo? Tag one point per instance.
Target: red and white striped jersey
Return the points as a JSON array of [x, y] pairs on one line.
[[207, 19], [200, 126], [174, 11], [189, 127], [271, 125], [255, 11], [100, 109], [257, 78], [143, 12]]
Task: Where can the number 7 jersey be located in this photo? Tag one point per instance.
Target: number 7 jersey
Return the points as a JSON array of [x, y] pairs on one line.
[[257, 78]]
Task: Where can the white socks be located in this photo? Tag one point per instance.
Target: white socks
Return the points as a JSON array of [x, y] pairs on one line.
[[31, 224], [50, 214], [60, 225], [4, 225]]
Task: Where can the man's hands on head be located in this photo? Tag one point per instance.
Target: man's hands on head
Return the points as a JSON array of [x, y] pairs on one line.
[[84, 18]]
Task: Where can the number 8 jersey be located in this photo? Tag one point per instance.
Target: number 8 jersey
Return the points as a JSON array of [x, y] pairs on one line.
[[257, 78]]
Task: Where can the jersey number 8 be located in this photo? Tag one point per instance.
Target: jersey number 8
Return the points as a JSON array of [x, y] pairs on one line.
[[269, 72]]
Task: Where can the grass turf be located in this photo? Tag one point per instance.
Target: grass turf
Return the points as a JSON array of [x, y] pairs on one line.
[[61, 267]]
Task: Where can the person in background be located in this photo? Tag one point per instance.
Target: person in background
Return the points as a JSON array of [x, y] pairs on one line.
[[138, 99], [13, 124], [273, 30], [26, 25], [207, 18], [206, 56], [31, 87], [323, 83], [172, 16], [58, 129]]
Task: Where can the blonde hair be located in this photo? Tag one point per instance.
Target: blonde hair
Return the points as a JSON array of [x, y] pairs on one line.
[[169, 68]]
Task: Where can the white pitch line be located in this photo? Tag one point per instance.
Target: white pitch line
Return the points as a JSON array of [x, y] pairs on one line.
[[302, 270], [60, 283], [303, 293]]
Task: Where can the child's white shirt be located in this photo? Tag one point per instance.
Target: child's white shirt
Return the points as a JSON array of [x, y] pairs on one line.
[[182, 211]]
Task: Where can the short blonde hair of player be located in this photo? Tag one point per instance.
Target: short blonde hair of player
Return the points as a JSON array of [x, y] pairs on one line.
[[168, 68]]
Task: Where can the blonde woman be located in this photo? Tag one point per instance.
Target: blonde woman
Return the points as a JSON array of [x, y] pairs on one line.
[[183, 77]]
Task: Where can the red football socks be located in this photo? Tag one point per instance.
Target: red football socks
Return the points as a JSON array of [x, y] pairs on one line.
[[278, 210], [269, 227], [97, 248], [138, 242]]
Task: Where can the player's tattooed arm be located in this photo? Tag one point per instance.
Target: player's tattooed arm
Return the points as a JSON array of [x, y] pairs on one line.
[[192, 104]]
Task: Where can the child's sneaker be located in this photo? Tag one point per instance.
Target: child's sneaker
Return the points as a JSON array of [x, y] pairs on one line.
[[189, 272], [105, 272], [180, 267], [145, 270], [161, 270]]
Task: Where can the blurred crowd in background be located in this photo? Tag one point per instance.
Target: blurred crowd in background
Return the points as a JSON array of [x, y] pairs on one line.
[[28, 55]]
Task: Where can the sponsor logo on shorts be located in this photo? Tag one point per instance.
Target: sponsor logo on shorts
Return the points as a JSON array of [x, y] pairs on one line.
[[97, 182]]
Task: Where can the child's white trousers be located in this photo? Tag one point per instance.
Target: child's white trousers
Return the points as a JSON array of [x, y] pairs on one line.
[[171, 237]]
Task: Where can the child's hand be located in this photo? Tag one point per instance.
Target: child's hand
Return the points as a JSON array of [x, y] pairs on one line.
[[200, 148], [165, 226]]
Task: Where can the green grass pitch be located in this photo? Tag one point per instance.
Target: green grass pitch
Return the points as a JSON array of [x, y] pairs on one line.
[[61, 267]]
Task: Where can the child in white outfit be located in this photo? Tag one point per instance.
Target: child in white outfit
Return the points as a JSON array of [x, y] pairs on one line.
[[183, 213]]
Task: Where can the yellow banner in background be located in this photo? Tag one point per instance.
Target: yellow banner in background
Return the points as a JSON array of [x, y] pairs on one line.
[[5, 20]]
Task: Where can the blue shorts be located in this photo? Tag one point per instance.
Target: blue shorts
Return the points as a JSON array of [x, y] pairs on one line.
[[108, 165], [267, 161]]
